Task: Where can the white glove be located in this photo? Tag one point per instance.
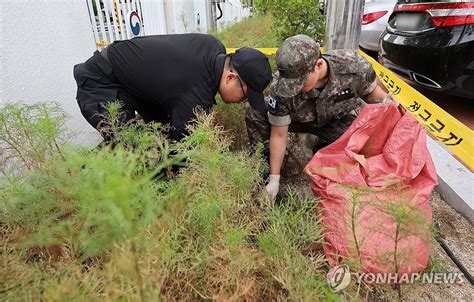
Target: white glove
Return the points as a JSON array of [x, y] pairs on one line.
[[273, 187]]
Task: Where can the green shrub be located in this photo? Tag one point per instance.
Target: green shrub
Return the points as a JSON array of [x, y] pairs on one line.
[[292, 17], [91, 198], [290, 228], [252, 32], [29, 133]]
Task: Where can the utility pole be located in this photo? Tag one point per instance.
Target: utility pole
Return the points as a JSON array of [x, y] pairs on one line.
[[343, 24]]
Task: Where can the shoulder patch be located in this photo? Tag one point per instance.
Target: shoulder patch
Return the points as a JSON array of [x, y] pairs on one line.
[[272, 102]]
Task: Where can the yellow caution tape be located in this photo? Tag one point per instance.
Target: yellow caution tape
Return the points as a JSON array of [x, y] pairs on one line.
[[451, 132], [268, 51]]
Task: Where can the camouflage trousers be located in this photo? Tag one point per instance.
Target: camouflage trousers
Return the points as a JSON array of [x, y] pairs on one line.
[[258, 128]]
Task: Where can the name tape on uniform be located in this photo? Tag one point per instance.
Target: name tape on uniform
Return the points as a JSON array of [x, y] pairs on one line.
[[451, 132]]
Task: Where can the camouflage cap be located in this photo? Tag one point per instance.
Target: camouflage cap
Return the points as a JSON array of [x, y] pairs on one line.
[[295, 60]]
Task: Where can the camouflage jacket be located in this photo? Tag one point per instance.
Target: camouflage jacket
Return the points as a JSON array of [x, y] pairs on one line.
[[351, 77]]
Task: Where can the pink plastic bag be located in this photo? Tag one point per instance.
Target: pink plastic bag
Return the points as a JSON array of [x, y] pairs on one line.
[[374, 183]]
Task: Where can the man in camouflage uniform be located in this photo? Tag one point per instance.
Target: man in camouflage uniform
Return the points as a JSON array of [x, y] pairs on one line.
[[310, 93]]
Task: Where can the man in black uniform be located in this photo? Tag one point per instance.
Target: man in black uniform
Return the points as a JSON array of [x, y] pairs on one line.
[[166, 77]]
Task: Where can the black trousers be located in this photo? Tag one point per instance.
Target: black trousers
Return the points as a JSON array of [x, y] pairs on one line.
[[97, 86]]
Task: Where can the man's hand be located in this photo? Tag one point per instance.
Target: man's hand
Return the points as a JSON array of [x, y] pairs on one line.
[[273, 187]]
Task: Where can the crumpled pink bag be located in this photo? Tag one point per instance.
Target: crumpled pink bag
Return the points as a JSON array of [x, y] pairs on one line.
[[374, 183]]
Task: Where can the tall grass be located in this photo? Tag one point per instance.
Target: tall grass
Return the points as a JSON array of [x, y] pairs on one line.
[[100, 225], [255, 31]]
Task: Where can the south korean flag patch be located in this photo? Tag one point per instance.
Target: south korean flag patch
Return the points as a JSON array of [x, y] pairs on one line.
[[272, 102]]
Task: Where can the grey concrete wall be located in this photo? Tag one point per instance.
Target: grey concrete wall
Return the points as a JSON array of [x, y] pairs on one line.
[[40, 42], [456, 182]]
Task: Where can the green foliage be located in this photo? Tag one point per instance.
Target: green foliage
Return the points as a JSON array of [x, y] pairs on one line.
[[291, 227], [234, 238], [29, 133], [295, 222], [436, 264], [255, 31], [91, 198], [99, 225], [292, 17]]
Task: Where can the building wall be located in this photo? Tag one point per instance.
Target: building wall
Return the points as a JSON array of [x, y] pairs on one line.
[[40, 42], [179, 16]]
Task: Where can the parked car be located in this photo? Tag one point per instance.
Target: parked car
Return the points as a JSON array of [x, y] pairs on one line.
[[431, 43], [374, 21]]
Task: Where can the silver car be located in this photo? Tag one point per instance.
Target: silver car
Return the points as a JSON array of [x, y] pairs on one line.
[[374, 21]]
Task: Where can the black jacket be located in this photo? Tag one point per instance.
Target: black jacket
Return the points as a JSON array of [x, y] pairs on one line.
[[173, 74]]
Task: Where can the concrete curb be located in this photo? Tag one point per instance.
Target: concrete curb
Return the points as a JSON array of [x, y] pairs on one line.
[[456, 182]]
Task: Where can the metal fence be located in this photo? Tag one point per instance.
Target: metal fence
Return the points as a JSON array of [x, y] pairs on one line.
[[124, 19], [115, 20]]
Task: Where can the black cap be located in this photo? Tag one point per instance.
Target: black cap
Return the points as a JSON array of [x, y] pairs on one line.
[[254, 69]]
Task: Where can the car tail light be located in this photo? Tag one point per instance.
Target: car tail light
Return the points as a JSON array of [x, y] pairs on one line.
[[369, 18], [443, 14]]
